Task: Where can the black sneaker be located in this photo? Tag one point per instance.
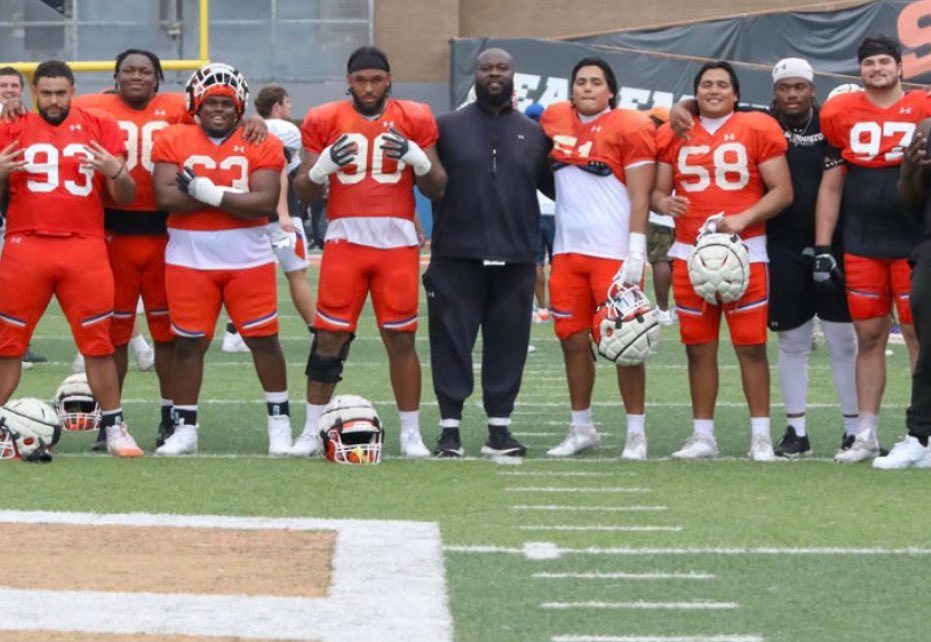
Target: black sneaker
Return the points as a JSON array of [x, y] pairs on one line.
[[791, 446], [165, 430], [449, 445], [100, 446], [501, 443], [34, 357]]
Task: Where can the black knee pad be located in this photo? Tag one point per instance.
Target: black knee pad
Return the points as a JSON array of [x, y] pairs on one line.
[[327, 369]]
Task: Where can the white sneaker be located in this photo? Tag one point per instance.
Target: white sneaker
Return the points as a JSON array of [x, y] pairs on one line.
[[698, 446], [120, 443], [279, 436], [232, 342], [182, 442], [412, 445], [77, 366], [761, 449], [28, 365], [664, 317], [579, 438], [308, 444], [865, 446], [635, 449], [145, 359], [908, 453]]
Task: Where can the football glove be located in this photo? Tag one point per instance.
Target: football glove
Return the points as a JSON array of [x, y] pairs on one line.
[[826, 271], [631, 272], [200, 188], [397, 147], [332, 159]]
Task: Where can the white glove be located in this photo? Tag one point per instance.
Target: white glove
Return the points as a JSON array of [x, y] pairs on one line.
[[282, 239], [332, 159], [710, 226], [398, 147], [200, 188], [631, 273]]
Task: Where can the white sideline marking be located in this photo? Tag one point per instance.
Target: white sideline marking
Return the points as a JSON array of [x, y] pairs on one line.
[[371, 558], [647, 606], [540, 551], [606, 529], [624, 576], [543, 473], [579, 489], [657, 638], [607, 509]]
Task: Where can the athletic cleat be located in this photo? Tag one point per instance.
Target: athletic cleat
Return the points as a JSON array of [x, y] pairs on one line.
[[34, 357], [908, 453], [635, 449], [846, 441], [864, 446], [412, 445], [308, 444], [501, 443], [791, 446], [698, 446], [579, 438], [279, 436], [120, 443], [232, 342], [183, 441], [449, 445], [165, 429], [100, 444], [761, 449], [666, 317], [145, 359]]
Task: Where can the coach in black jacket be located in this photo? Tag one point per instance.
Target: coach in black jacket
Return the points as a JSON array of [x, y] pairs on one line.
[[485, 235]]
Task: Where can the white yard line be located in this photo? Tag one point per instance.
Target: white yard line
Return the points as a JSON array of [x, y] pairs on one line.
[[657, 638], [390, 571], [624, 576], [578, 489], [642, 605], [544, 473], [553, 551], [593, 509], [605, 529]]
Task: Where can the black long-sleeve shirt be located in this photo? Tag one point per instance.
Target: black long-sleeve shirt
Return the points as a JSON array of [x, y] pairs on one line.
[[495, 164]]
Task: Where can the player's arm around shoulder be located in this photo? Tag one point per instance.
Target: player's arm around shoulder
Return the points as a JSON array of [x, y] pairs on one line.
[[914, 176], [314, 141]]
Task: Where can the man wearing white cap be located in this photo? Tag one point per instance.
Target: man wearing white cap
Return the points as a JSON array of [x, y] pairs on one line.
[[794, 297]]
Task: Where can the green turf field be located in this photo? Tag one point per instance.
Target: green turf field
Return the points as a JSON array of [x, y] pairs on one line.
[[588, 549]]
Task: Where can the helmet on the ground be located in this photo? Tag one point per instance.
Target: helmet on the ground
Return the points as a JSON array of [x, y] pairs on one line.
[[626, 328], [351, 431], [216, 78], [28, 429], [76, 405], [719, 268]]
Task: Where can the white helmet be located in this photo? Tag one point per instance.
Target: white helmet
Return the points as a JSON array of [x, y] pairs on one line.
[[28, 429], [351, 431], [216, 78], [626, 328], [846, 88], [719, 268], [76, 405]]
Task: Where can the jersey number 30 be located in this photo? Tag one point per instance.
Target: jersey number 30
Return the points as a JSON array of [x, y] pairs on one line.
[[375, 167]]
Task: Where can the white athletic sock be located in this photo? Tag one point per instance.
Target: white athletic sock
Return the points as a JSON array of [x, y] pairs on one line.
[[759, 426], [449, 423], [504, 422], [581, 417], [851, 424], [792, 364], [139, 344], [703, 427], [410, 420], [798, 423], [314, 412], [636, 424], [841, 340], [868, 421]]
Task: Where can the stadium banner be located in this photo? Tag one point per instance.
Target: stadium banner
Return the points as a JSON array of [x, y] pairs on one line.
[[656, 67]]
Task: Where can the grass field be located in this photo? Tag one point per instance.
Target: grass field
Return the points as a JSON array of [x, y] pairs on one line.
[[583, 550]]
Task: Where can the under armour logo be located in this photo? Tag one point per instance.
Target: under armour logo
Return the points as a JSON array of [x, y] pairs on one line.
[[520, 137], [388, 124], [431, 294], [237, 148], [730, 136], [161, 112], [596, 129], [905, 110], [75, 127]]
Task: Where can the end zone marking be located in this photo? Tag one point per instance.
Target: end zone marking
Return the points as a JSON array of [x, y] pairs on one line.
[[390, 571]]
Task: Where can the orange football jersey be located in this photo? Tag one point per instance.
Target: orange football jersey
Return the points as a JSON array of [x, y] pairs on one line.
[[55, 195], [229, 164], [719, 172], [374, 185], [140, 127], [868, 135], [618, 138]]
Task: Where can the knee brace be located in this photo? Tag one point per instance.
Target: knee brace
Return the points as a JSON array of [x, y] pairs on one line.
[[321, 369]]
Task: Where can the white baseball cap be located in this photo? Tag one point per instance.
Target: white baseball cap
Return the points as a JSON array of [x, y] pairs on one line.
[[793, 68]]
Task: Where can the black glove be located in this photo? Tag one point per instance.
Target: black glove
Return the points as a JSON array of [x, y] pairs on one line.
[[341, 152], [184, 178], [826, 271], [395, 144]]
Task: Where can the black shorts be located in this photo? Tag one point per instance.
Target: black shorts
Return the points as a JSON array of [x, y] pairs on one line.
[[794, 298], [547, 236]]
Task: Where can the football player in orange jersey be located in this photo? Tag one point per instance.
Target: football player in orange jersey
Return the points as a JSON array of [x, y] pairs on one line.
[[371, 149], [733, 163], [219, 190], [604, 166], [56, 166], [867, 132]]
